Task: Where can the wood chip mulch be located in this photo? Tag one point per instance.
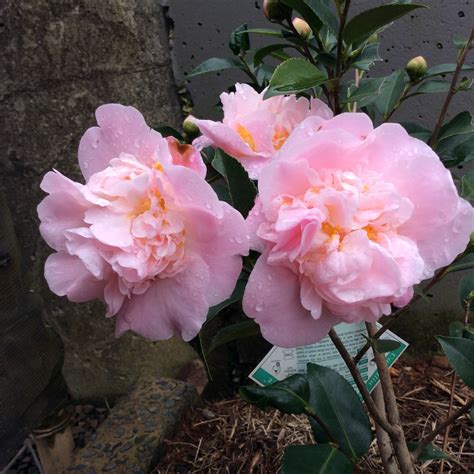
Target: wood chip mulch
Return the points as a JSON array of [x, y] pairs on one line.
[[231, 436]]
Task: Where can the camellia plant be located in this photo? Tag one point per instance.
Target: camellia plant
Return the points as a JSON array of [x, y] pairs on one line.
[[304, 204]]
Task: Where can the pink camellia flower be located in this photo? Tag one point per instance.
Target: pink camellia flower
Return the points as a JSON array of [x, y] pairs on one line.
[[145, 234], [253, 129], [348, 219]]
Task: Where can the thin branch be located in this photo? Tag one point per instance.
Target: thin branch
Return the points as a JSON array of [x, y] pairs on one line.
[[427, 440], [339, 58], [441, 273], [371, 406], [383, 439], [450, 411], [452, 90], [399, 442]]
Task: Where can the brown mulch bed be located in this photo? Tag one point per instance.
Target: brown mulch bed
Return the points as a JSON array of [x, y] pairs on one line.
[[231, 436]]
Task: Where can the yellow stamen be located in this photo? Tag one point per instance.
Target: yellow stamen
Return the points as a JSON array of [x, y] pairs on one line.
[[279, 137], [246, 136], [330, 229], [371, 232], [158, 166]]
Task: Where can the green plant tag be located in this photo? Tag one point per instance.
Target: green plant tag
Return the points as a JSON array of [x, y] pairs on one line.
[[281, 363]]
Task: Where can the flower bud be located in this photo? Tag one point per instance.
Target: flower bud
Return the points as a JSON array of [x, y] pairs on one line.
[[275, 10], [372, 39], [189, 127], [416, 68], [302, 27]]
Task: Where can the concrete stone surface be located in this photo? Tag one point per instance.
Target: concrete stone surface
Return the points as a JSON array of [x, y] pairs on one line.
[[60, 60], [130, 440]]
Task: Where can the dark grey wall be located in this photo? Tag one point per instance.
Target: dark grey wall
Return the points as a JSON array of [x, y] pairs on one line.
[[202, 28]]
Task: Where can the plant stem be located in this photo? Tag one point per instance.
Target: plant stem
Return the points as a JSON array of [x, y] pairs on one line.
[[399, 441], [427, 440], [450, 410], [339, 58], [377, 415], [383, 440], [452, 90], [401, 311], [399, 103]]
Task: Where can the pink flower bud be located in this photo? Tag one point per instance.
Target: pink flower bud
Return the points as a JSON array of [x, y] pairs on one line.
[[303, 29]]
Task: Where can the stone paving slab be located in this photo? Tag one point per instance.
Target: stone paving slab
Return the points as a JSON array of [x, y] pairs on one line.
[[131, 439]]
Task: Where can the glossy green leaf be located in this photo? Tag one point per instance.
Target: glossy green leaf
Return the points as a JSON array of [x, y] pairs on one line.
[[294, 75], [432, 87], [467, 187], [368, 56], [464, 263], [241, 188], [315, 459], [233, 332], [417, 131], [236, 296], [442, 69], [461, 124], [262, 53], [391, 92], [213, 65], [460, 353], [265, 32], [335, 402], [429, 452], [384, 345], [456, 149], [456, 329], [367, 92], [289, 396], [466, 287], [306, 10], [239, 40], [363, 25]]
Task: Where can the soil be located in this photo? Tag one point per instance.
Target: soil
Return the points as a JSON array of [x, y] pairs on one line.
[[231, 436]]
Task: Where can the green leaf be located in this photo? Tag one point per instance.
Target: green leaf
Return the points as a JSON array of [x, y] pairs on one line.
[[466, 286], [306, 10], [367, 57], [460, 353], [417, 131], [467, 187], [167, 131], [262, 53], [239, 40], [236, 296], [353, 437], [391, 92], [460, 43], [241, 188], [233, 332], [465, 263], [265, 32], [214, 64], [289, 396], [294, 75], [429, 452], [456, 329], [457, 149], [432, 87], [384, 345], [315, 459], [363, 25], [459, 125], [367, 92], [441, 69]]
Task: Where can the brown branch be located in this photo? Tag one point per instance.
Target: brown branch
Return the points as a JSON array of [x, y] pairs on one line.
[[399, 442], [452, 90], [371, 406], [427, 440], [339, 58], [383, 439]]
